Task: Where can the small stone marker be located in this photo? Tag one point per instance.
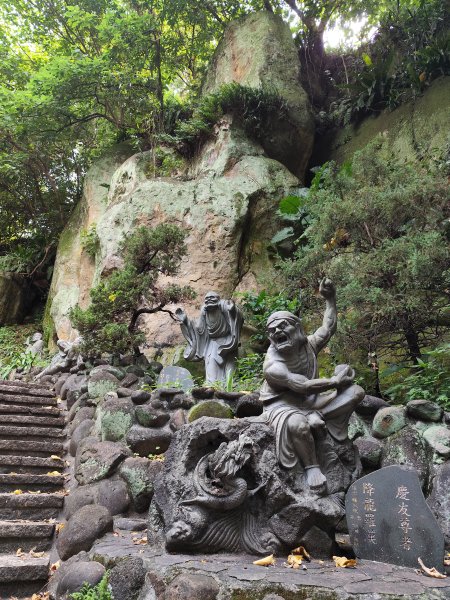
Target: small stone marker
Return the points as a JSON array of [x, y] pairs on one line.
[[176, 377], [389, 520]]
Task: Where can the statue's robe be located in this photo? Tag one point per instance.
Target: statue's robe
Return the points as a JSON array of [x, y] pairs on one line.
[[280, 403], [214, 337]]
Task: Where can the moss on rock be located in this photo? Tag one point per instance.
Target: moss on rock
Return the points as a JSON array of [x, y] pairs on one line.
[[210, 408]]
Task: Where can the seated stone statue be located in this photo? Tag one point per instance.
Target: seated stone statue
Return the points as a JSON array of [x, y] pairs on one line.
[[297, 404]]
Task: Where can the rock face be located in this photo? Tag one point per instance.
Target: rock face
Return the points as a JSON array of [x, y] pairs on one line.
[[425, 118], [74, 270], [259, 50], [226, 198]]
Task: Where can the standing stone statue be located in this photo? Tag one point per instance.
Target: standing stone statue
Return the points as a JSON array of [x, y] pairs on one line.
[[35, 344], [214, 337], [300, 406]]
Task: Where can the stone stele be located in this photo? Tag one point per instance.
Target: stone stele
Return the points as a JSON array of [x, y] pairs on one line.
[[389, 520]]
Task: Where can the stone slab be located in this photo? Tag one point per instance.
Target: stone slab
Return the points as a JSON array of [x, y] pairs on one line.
[[239, 578], [389, 520], [15, 568], [176, 377]]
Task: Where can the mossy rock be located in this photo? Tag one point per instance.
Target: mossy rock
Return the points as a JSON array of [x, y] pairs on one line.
[[210, 408], [116, 416], [388, 421]]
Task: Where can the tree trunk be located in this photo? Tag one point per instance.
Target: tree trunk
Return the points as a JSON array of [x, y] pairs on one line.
[[412, 341]]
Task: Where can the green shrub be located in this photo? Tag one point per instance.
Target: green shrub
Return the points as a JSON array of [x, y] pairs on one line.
[[249, 372], [411, 48], [253, 107], [110, 323], [12, 353], [99, 592], [429, 379], [379, 230], [90, 241], [258, 307]]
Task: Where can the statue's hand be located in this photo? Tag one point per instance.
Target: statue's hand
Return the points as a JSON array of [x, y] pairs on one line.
[[180, 315], [327, 289]]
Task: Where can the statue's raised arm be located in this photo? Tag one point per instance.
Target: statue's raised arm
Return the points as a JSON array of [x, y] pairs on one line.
[[320, 338]]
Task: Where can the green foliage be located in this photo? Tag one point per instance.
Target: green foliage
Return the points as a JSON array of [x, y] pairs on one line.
[[110, 323], [90, 240], [411, 48], [429, 379], [293, 212], [249, 372], [258, 307], [99, 592], [12, 355], [379, 229], [253, 107]]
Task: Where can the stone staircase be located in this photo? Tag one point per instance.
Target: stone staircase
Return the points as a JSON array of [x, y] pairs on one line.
[[31, 484]]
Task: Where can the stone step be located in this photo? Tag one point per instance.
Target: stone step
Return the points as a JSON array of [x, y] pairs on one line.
[[27, 384], [23, 568], [31, 432], [25, 389], [29, 464], [27, 535], [25, 420], [30, 507], [12, 447], [29, 400], [22, 409], [30, 482]]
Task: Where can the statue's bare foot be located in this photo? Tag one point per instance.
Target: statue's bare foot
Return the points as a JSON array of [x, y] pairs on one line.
[[315, 478]]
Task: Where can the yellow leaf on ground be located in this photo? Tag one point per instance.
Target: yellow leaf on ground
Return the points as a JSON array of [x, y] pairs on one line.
[[54, 457], [53, 473], [294, 561], [36, 554], [343, 561], [142, 540], [265, 562], [301, 551], [433, 572], [20, 552], [59, 527], [17, 492]]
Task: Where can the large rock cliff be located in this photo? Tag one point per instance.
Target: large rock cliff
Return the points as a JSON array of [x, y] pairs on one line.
[[225, 198]]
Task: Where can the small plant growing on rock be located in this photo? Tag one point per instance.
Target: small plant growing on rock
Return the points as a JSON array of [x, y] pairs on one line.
[[111, 323], [97, 592]]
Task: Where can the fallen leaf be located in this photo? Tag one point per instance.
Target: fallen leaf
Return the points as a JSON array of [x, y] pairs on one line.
[[301, 551], [54, 457], [343, 561], [34, 492], [17, 492], [59, 528], [36, 554], [294, 561], [142, 540], [433, 572], [265, 562], [55, 566], [20, 552], [58, 400], [53, 473]]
